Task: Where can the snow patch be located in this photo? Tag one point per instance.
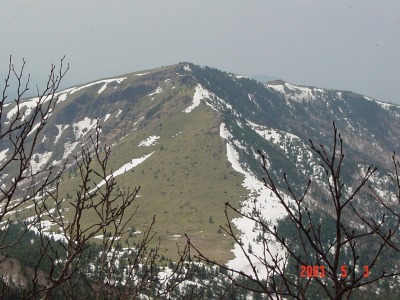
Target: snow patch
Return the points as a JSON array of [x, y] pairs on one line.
[[69, 147], [106, 117], [125, 168], [105, 81], [82, 127], [102, 88], [157, 91], [39, 160], [268, 206], [272, 134], [175, 135], [28, 105], [3, 155], [119, 112], [385, 105], [368, 98], [252, 99], [34, 128], [297, 93], [60, 131], [149, 141], [33, 102], [291, 144], [211, 100], [199, 94], [187, 68], [45, 227], [62, 97], [137, 122], [175, 237], [277, 87]]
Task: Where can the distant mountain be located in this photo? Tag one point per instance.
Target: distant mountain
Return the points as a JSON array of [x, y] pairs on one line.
[[264, 78], [189, 135]]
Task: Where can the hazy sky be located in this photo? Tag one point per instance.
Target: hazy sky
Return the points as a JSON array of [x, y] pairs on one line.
[[343, 44]]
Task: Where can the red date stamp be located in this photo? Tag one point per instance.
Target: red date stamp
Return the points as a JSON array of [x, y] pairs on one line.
[[312, 271], [319, 271]]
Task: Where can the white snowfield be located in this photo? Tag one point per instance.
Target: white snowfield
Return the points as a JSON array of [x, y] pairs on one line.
[[119, 112], [241, 76], [387, 106], [210, 99], [34, 128], [263, 200], [39, 160], [272, 134], [106, 117], [46, 228], [297, 93], [151, 140], [60, 128], [33, 102], [29, 105], [301, 93], [199, 94], [82, 127], [125, 168], [141, 74], [105, 81], [157, 91], [3, 154], [69, 147], [63, 94], [290, 142]]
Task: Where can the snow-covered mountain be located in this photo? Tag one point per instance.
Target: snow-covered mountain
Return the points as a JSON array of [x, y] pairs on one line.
[[189, 135]]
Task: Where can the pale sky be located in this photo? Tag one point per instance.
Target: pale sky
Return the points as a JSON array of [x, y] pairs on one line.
[[341, 44]]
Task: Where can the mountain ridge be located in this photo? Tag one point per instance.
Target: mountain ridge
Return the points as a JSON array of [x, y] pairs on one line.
[[173, 127]]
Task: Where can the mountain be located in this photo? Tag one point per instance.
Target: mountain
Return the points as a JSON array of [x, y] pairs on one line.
[[189, 135], [264, 78]]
